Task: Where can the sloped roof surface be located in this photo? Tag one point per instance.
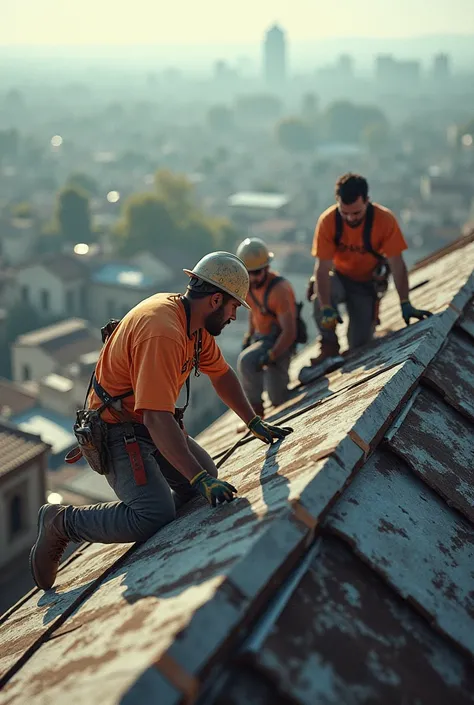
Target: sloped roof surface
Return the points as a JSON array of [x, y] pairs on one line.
[[17, 448], [358, 527]]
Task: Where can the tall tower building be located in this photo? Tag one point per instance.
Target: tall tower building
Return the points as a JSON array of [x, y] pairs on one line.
[[441, 67], [274, 57]]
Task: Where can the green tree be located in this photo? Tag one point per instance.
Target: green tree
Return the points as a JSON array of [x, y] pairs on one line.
[[220, 119], [147, 224], [258, 107], [344, 121], [23, 210], [376, 136], [295, 135], [84, 182], [177, 192], [72, 218]]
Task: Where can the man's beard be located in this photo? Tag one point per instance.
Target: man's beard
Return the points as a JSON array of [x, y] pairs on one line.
[[215, 322], [354, 223]]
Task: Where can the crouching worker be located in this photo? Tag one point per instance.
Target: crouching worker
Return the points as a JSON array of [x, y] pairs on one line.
[[144, 363], [270, 342]]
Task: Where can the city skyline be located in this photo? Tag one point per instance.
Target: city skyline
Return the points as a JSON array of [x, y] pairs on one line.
[[55, 23]]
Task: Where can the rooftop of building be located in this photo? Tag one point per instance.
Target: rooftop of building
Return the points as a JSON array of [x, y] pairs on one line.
[[18, 447], [254, 199], [342, 573]]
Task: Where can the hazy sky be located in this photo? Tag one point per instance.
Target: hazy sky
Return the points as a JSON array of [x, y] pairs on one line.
[[196, 22]]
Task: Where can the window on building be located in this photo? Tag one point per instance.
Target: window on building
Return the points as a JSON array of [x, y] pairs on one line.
[[26, 373], [45, 299], [17, 510], [25, 294], [70, 301]]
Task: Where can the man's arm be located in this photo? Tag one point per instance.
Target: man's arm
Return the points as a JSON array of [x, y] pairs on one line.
[[229, 389], [400, 275], [322, 270], [287, 337], [169, 438]]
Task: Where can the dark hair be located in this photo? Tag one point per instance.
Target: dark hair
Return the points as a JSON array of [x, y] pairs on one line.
[[350, 186], [198, 289]]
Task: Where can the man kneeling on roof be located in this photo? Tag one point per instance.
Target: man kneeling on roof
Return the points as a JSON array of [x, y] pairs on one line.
[[270, 341], [356, 243], [152, 464]]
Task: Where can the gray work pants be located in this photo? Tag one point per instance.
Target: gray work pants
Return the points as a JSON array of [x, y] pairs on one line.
[[360, 300], [141, 509], [274, 378]]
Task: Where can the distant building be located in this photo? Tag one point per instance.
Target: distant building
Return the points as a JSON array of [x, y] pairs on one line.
[[253, 206], [394, 73], [274, 57], [54, 286], [441, 67], [40, 352], [23, 462]]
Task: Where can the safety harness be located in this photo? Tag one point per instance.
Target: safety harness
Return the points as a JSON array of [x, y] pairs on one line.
[[91, 431], [265, 310]]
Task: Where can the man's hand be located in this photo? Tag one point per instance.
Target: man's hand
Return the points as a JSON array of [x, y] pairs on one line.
[[267, 433], [246, 341], [330, 318], [310, 289], [213, 489], [265, 359], [409, 311]]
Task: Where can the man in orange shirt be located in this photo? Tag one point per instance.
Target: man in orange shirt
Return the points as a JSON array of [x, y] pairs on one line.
[[269, 343], [351, 240], [143, 365]]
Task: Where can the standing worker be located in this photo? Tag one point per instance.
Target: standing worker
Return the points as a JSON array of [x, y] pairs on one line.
[[270, 341], [356, 244], [143, 365]]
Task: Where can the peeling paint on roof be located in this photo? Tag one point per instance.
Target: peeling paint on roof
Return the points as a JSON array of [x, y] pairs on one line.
[[149, 623]]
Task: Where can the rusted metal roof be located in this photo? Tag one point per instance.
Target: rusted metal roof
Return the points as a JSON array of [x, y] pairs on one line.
[[346, 637], [438, 445], [154, 622]]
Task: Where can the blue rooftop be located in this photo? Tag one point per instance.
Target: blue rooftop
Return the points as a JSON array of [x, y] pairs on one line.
[[53, 428], [121, 275]]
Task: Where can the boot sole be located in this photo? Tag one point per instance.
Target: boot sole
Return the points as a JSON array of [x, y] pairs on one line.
[[33, 550]]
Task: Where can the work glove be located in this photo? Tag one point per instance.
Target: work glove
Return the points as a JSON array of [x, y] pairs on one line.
[[265, 359], [213, 489], [267, 433], [247, 341], [330, 318], [409, 311], [310, 289]]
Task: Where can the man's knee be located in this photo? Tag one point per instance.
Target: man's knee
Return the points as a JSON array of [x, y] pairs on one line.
[[247, 363], [146, 525]]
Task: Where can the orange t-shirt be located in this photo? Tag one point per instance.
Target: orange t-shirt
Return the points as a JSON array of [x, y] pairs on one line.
[[150, 352], [280, 300], [350, 257]]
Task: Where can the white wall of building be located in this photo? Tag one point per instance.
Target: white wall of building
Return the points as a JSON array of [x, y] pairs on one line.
[[34, 281], [28, 483], [35, 360]]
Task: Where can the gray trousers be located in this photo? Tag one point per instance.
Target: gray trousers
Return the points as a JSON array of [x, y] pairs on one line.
[[274, 379], [360, 300], [141, 509]]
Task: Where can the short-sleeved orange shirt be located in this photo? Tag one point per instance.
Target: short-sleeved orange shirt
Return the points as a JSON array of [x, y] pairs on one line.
[[150, 352], [351, 258], [280, 300]]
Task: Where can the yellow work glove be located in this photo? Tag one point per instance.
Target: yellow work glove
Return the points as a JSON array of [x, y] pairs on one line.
[[267, 433], [213, 489]]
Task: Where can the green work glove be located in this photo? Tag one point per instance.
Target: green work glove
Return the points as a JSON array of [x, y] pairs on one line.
[[330, 318], [213, 489], [409, 311], [266, 433]]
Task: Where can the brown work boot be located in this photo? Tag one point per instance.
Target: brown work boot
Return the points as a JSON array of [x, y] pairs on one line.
[[327, 350], [50, 545]]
